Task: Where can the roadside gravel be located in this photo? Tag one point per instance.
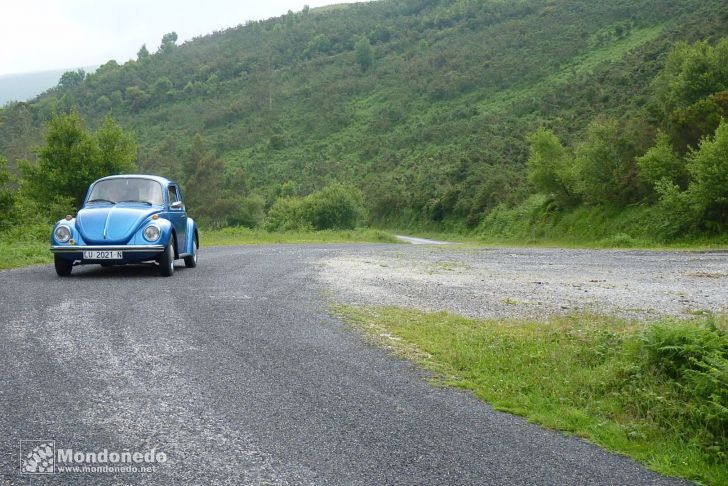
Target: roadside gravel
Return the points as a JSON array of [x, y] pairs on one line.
[[531, 283]]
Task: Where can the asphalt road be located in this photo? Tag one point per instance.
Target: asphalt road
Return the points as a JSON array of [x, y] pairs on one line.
[[236, 372]]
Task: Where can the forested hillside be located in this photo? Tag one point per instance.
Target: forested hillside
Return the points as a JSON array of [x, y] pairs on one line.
[[426, 106]]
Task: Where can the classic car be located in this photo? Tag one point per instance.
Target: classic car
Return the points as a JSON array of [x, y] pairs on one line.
[[127, 219]]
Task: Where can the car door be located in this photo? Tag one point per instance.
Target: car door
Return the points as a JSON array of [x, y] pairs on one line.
[[177, 216]]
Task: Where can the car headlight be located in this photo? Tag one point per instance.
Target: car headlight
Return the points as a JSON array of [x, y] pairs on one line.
[[151, 233], [62, 233]]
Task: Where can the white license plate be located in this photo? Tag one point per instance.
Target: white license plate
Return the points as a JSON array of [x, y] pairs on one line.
[[102, 255]]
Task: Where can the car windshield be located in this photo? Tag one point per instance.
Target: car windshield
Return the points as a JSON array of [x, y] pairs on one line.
[[127, 190]]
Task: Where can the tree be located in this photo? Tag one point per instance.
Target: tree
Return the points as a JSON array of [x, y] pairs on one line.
[[550, 170], [690, 91], [364, 54], [205, 180], [320, 44], [163, 88], [143, 53], [708, 169], [69, 79], [103, 103], [137, 97], [118, 149], [606, 170], [169, 42], [73, 158], [662, 163]]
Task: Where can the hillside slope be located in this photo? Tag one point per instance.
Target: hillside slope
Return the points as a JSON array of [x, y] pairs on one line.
[[424, 105]]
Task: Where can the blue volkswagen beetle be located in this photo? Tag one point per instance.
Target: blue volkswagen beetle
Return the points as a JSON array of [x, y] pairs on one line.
[[127, 219]]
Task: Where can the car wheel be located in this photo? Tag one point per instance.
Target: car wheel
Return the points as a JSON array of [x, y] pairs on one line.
[[63, 266], [191, 260], [166, 261]]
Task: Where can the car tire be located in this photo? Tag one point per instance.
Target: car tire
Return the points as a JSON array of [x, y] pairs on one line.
[[166, 261], [63, 267], [191, 260]]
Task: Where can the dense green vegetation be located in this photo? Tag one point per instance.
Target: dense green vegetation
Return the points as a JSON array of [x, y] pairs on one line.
[[431, 109], [657, 392]]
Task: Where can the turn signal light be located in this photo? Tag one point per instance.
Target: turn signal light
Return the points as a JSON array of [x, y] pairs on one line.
[[71, 242], [155, 216], [69, 217]]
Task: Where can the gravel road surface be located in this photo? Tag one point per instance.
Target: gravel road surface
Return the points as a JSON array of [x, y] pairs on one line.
[[238, 374]]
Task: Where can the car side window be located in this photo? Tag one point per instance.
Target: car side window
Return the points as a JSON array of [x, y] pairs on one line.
[[172, 195]]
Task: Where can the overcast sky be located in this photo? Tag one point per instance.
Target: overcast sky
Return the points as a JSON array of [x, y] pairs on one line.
[[39, 35]]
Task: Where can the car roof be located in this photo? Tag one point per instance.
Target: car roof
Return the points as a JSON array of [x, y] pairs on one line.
[[162, 180]]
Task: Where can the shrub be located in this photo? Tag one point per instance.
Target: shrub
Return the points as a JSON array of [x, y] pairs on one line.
[[250, 212], [285, 214], [334, 207], [675, 212]]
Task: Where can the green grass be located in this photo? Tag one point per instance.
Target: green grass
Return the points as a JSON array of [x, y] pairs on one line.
[[246, 236], [23, 253], [656, 392]]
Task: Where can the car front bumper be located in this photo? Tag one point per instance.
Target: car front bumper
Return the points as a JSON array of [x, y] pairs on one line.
[[124, 248]]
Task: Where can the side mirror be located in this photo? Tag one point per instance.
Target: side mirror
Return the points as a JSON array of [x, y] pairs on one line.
[[176, 205]]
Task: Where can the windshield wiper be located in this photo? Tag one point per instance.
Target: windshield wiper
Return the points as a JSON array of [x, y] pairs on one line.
[[137, 201], [100, 200]]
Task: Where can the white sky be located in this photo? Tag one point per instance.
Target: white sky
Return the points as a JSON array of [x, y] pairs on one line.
[[39, 35]]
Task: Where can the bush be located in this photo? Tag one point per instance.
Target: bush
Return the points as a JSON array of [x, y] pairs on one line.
[[517, 222], [285, 214], [250, 212], [334, 207], [675, 212]]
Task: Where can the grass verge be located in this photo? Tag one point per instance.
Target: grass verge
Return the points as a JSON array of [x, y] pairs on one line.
[[16, 253], [656, 392], [617, 242], [246, 236]]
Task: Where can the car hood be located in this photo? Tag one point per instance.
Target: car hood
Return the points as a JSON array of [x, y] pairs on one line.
[[111, 224]]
